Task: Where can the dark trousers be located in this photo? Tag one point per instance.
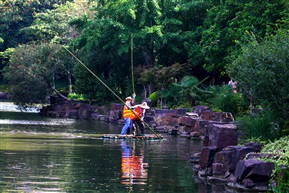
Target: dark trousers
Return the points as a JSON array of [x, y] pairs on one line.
[[140, 125]]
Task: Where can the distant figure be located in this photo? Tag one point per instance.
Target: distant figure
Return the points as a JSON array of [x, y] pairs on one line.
[[233, 85]]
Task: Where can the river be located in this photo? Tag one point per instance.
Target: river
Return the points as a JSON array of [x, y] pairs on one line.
[[39, 154]]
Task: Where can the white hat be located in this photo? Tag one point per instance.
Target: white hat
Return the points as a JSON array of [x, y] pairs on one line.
[[144, 105], [128, 98]]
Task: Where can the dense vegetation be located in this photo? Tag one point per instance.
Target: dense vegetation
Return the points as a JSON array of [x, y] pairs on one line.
[[178, 54], [183, 54]]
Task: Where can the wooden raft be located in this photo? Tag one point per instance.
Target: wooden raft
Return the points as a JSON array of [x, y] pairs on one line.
[[141, 137]]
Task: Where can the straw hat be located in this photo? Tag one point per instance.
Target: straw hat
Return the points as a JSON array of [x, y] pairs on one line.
[[128, 98], [144, 105]]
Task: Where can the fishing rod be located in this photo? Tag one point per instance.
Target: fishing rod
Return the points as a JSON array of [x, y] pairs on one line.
[[110, 90]]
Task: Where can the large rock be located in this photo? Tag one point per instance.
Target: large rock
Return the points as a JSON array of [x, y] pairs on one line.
[[222, 135], [186, 121], [181, 111], [207, 156], [204, 112], [255, 170], [226, 160], [166, 117], [201, 125], [84, 110]]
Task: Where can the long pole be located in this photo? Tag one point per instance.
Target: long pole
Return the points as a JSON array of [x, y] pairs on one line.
[[109, 89], [131, 61]]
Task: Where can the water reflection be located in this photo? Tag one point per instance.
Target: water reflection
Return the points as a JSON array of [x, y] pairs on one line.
[[134, 170]]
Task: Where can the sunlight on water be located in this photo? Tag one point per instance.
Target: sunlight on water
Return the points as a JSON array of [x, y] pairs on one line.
[[30, 122], [11, 107]]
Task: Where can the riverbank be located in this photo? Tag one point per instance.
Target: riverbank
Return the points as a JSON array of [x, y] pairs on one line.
[[221, 160]]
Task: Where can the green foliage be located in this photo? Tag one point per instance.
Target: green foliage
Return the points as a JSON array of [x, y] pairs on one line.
[[154, 98], [76, 96], [162, 77], [54, 24], [285, 129], [204, 34], [262, 126], [224, 27], [261, 72], [105, 41], [280, 157], [221, 98], [281, 178], [279, 148], [17, 14], [186, 93], [170, 97], [32, 70]]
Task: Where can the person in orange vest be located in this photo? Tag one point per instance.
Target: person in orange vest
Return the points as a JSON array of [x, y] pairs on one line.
[[128, 115], [140, 109]]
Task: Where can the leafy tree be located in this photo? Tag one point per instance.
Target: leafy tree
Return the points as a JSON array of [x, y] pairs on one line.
[[53, 24], [261, 72], [226, 25], [16, 15], [160, 78], [32, 71], [153, 25]]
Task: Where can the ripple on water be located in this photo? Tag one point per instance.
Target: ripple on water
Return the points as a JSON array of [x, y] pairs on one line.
[[31, 122]]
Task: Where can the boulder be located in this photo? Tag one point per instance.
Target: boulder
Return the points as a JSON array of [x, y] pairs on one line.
[[166, 117], [207, 156], [186, 121], [222, 135], [227, 158], [255, 170]]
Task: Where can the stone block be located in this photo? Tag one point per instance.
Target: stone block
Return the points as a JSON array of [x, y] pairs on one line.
[[222, 135], [116, 106], [207, 156], [256, 170], [186, 121]]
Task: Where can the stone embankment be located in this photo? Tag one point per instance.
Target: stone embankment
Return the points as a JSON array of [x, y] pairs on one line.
[[221, 160]]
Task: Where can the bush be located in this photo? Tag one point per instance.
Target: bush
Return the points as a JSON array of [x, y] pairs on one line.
[[261, 126], [221, 98], [75, 96], [280, 149], [154, 98], [261, 72]]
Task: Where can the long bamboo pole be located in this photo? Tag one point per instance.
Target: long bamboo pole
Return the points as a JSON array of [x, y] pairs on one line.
[[131, 61]]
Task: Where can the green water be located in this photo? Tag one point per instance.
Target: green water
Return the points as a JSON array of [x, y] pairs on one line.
[[63, 155]]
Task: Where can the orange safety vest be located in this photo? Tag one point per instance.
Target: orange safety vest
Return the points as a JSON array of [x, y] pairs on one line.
[[139, 111], [128, 113]]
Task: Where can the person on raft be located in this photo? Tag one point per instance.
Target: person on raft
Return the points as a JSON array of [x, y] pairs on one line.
[[140, 109], [133, 116], [128, 115]]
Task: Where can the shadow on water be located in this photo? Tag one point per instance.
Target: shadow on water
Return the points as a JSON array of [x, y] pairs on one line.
[[39, 154]]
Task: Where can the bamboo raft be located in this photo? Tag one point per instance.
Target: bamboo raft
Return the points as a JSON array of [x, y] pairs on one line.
[[140, 137]]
